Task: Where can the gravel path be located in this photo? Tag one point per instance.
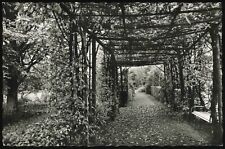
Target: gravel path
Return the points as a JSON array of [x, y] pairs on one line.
[[147, 122]]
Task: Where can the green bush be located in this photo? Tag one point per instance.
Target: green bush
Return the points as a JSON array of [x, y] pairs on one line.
[[59, 129], [52, 131]]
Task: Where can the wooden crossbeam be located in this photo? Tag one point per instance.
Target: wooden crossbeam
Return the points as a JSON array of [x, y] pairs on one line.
[[145, 26], [138, 63], [122, 38], [149, 14], [130, 59], [145, 53], [140, 58], [137, 44], [145, 49], [147, 39]]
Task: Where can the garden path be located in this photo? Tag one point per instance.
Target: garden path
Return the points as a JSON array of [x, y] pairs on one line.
[[145, 122]]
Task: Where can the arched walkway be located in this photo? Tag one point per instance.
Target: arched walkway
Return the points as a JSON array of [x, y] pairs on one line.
[[85, 53]]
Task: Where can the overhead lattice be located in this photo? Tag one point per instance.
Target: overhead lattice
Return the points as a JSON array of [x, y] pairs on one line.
[[147, 33]]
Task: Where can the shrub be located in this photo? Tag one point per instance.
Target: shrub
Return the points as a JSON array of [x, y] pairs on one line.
[[53, 131], [48, 132]]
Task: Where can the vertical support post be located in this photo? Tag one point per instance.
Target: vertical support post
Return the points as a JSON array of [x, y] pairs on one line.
[[84, 74], [117, 77], [217, 86], [76, 64], [190, 94], [94, 73], [90, 77], [71, 57], [181, 77], [173, 85], [121, 78], [165, 81], [117, 89], [113, 74]]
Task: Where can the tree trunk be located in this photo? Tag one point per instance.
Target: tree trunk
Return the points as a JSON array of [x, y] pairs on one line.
[[12, 84], [217, 87]]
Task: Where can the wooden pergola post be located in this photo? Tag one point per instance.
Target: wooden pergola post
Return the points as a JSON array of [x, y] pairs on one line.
[[217, 86], [76, 55], [181, 76], [84, 77], [94, 73], [173, 85], [71, 55], [165, 81], [121, 78]]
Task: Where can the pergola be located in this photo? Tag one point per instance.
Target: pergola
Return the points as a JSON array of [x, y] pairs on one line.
[[174, 34], [137, 34], [146, 37]]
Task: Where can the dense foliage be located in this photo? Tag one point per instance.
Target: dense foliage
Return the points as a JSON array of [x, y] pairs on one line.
[[52, 46]]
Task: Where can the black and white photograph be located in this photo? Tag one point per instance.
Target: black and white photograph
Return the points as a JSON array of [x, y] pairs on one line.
[[112, 74]]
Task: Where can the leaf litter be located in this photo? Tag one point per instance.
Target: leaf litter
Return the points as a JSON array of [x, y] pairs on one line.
[[147, 122]]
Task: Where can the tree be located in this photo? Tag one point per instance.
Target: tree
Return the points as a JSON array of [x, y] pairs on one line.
[[24, 45]]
